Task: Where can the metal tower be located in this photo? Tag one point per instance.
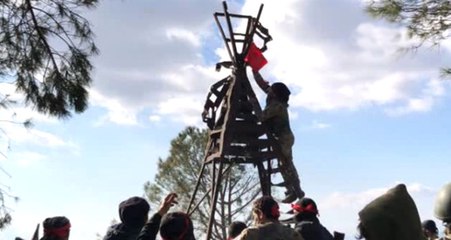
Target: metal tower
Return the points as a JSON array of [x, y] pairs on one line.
[[236, 135]]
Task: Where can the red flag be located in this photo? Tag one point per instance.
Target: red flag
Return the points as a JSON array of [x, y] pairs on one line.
[[255, 58]]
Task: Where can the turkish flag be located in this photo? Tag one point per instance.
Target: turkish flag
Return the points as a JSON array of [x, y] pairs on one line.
[[255, 58]]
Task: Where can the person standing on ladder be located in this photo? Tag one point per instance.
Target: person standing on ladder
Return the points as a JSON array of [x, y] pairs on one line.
[[275, 116]]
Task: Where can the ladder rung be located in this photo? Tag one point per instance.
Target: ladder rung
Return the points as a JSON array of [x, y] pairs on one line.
[[236, 40], [247, 116], [212, 157], [282, 184], [216, 132]]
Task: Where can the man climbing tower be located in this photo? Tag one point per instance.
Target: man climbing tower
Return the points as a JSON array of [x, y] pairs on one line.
[[275, 116]]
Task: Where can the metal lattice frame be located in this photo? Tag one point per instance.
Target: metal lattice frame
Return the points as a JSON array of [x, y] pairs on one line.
[[236, 136]]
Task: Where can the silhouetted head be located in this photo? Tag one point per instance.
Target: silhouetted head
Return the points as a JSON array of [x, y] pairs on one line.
[[134, 211], [176, 226], [304, 208], [56, 228], [429, 228], [281, 92], [265, 208]]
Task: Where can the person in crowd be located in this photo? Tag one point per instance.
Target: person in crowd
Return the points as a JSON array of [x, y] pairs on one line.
[[307, 222], [392, 216], [275, 115], [430, 230], [442, 209], [235, 228], [177, 226], [265, 212], [56, 228], [134, 225]]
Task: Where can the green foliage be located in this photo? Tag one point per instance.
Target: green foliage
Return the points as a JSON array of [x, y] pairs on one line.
[[179, 173], [179, 170], [45, 47], [427, 20], [5, 216]]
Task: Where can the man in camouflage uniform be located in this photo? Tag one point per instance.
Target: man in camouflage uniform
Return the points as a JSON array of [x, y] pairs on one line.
[[275, 115], [265, 212]]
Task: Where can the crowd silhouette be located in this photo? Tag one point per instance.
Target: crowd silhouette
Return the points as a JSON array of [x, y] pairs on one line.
[[391, 216]]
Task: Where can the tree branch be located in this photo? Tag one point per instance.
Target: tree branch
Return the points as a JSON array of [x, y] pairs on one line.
[[42, 37]]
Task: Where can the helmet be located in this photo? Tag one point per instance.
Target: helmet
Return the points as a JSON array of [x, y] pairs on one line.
[[281, 91], [442, 208], [429, 225]]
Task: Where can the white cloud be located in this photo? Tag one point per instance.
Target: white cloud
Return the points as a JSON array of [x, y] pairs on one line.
[[183, 35], [157, 63], [360, 199], [16, 135], [117, 113], [154, 118], [183, 109], [356, 68], [37, 137], [412, 105], [25, 113], [331, 61], [379, 42], [26, 159], [17, 111], [320, 125]]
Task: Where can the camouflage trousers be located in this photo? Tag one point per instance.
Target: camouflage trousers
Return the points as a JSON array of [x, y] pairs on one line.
[[287, 169]]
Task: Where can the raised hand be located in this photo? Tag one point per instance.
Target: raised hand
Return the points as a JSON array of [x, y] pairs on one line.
[[168, 202]]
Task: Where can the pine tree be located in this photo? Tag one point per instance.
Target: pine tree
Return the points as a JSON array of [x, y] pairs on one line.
[[426, 20], [179, 172], [44, 49]]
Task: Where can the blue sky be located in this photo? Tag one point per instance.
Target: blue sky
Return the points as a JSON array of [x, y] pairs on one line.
[[365, 117]]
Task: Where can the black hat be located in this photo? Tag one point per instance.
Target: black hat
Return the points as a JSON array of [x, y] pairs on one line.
[[281, 91], [134, 211], [304, 205], [176, 225], [429, 225], [57, 227]]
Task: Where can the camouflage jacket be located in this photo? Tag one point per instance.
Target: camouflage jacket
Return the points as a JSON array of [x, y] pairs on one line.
[[269, 231], [275, 115]]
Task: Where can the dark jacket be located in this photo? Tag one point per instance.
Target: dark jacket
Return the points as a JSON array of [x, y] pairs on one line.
[[123, 232], [392, 216], [310, 228]]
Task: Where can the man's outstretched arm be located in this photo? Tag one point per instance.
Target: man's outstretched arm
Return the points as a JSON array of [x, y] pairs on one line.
[[262, 83], [152, 227]]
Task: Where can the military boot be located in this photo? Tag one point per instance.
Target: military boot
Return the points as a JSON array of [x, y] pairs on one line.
[[290, 196]]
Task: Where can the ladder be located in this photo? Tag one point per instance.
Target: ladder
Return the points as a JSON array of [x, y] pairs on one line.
[[236, 136]]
